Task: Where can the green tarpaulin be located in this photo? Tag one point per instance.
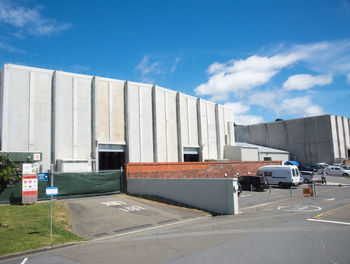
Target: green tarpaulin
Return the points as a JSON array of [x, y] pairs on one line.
[[70, 185]]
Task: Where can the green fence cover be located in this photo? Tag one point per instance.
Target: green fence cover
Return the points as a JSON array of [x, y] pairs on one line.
[[70, 185]]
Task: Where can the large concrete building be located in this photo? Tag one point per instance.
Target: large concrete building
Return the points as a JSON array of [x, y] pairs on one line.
[[84, 123], [309, 140]]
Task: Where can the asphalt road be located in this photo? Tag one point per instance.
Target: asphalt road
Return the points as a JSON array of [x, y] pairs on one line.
[[271, 228]]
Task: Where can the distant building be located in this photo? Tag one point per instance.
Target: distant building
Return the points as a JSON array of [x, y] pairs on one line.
[[309, 140], [250, 152], [84, 123]]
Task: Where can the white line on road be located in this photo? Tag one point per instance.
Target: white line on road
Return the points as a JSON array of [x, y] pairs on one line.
[[328, 221], [329, 199], [147, 229], [255, 206], [24, 261]]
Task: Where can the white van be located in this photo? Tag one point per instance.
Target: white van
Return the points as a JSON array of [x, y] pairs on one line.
[[282, 175]]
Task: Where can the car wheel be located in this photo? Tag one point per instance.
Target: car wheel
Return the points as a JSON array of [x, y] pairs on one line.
[[345, 174], [280, 185]]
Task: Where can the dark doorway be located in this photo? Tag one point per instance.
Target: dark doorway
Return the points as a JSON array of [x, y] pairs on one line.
[[111, 160], [348, 153], [191, 157]]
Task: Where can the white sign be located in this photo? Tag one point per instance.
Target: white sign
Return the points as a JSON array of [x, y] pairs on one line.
[[28, 169], [51, 191], [132, 208], [113, 203]]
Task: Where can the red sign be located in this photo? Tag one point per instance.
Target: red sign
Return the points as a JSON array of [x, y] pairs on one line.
[[29, 185]]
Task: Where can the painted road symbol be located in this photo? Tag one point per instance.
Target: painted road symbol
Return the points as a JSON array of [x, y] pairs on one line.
[[113, 203], [132, 208], [300, 208]]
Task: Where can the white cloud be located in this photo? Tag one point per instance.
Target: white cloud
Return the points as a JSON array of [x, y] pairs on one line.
[[147, 67], [176, 63], [240, 75], [239, 117], [29, 20], [265, 98], [238, 107], [247, 120], [301, 106], [306, 81], [348, 78]]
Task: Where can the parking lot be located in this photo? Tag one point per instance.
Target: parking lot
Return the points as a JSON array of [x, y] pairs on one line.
[[103, 216]]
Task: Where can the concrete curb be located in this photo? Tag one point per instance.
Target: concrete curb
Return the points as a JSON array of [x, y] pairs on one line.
[[38, 250]]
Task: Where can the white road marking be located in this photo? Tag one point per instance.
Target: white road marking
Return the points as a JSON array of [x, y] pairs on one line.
[[113, 203], [146, 229], [300, 208], [255, 206], [132, 208], [245, 195], [329, 199], [328, 221], [24, 261]]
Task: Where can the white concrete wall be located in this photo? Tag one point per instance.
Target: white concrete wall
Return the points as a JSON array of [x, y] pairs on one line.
[[346, 133], [233, 153], [140, 122], [109, 96], [224, 129], [165, 125], [274, 156], [250, 154], [208, 129], [26, 121], [214, 195], [73, 117]]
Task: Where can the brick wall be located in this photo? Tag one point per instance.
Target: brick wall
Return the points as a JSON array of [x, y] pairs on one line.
[[215, 169]]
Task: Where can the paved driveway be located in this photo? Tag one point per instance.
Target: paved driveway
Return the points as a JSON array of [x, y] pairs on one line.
[[112, 215]]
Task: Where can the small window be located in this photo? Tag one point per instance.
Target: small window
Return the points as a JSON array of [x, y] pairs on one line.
[[267, 173], [260, 173], [337, 169], [267, 159]]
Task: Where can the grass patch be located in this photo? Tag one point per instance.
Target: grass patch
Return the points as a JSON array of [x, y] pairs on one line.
[[29, 227]]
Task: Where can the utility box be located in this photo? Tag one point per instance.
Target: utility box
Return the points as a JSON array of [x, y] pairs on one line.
[[29, 184]]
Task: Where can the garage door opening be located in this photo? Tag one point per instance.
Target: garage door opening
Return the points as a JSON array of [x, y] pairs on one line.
[[191, 157], [191, 154], [111, 160]]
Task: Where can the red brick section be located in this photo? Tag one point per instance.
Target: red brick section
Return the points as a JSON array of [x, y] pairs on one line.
[[347, 162], [180, 170]]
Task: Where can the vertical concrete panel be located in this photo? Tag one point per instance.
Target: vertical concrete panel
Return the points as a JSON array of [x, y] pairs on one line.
[[258, 134], [17, 132], [346, 133], [40, 118], [341, 140], [140, 120], [172, 127], [229, 128], [64, 116], [335, 139], [189, 123], [146, 121], [208, 129], [110, 111], [117, 112], [133, 122], [166, 125], [296, 139], [102, 107], [82, 118], [277, 135]]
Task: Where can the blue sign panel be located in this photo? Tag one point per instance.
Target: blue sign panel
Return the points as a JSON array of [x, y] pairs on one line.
[[51, 191], [43, 176]]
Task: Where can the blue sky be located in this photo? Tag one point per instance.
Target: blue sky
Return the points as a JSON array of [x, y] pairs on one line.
[[265, 59]]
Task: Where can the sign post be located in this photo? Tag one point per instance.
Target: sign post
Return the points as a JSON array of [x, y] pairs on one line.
[[51, 191], [29, 184]]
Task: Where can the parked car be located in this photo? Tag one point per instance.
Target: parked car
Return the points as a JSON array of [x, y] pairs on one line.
[[258, 183], [338, 171], [322, 165], [345, 167], [306, 168], [282, 175], [308, 176]]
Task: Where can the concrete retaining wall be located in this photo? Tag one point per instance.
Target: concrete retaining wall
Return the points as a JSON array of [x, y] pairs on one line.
[[214, 195]]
